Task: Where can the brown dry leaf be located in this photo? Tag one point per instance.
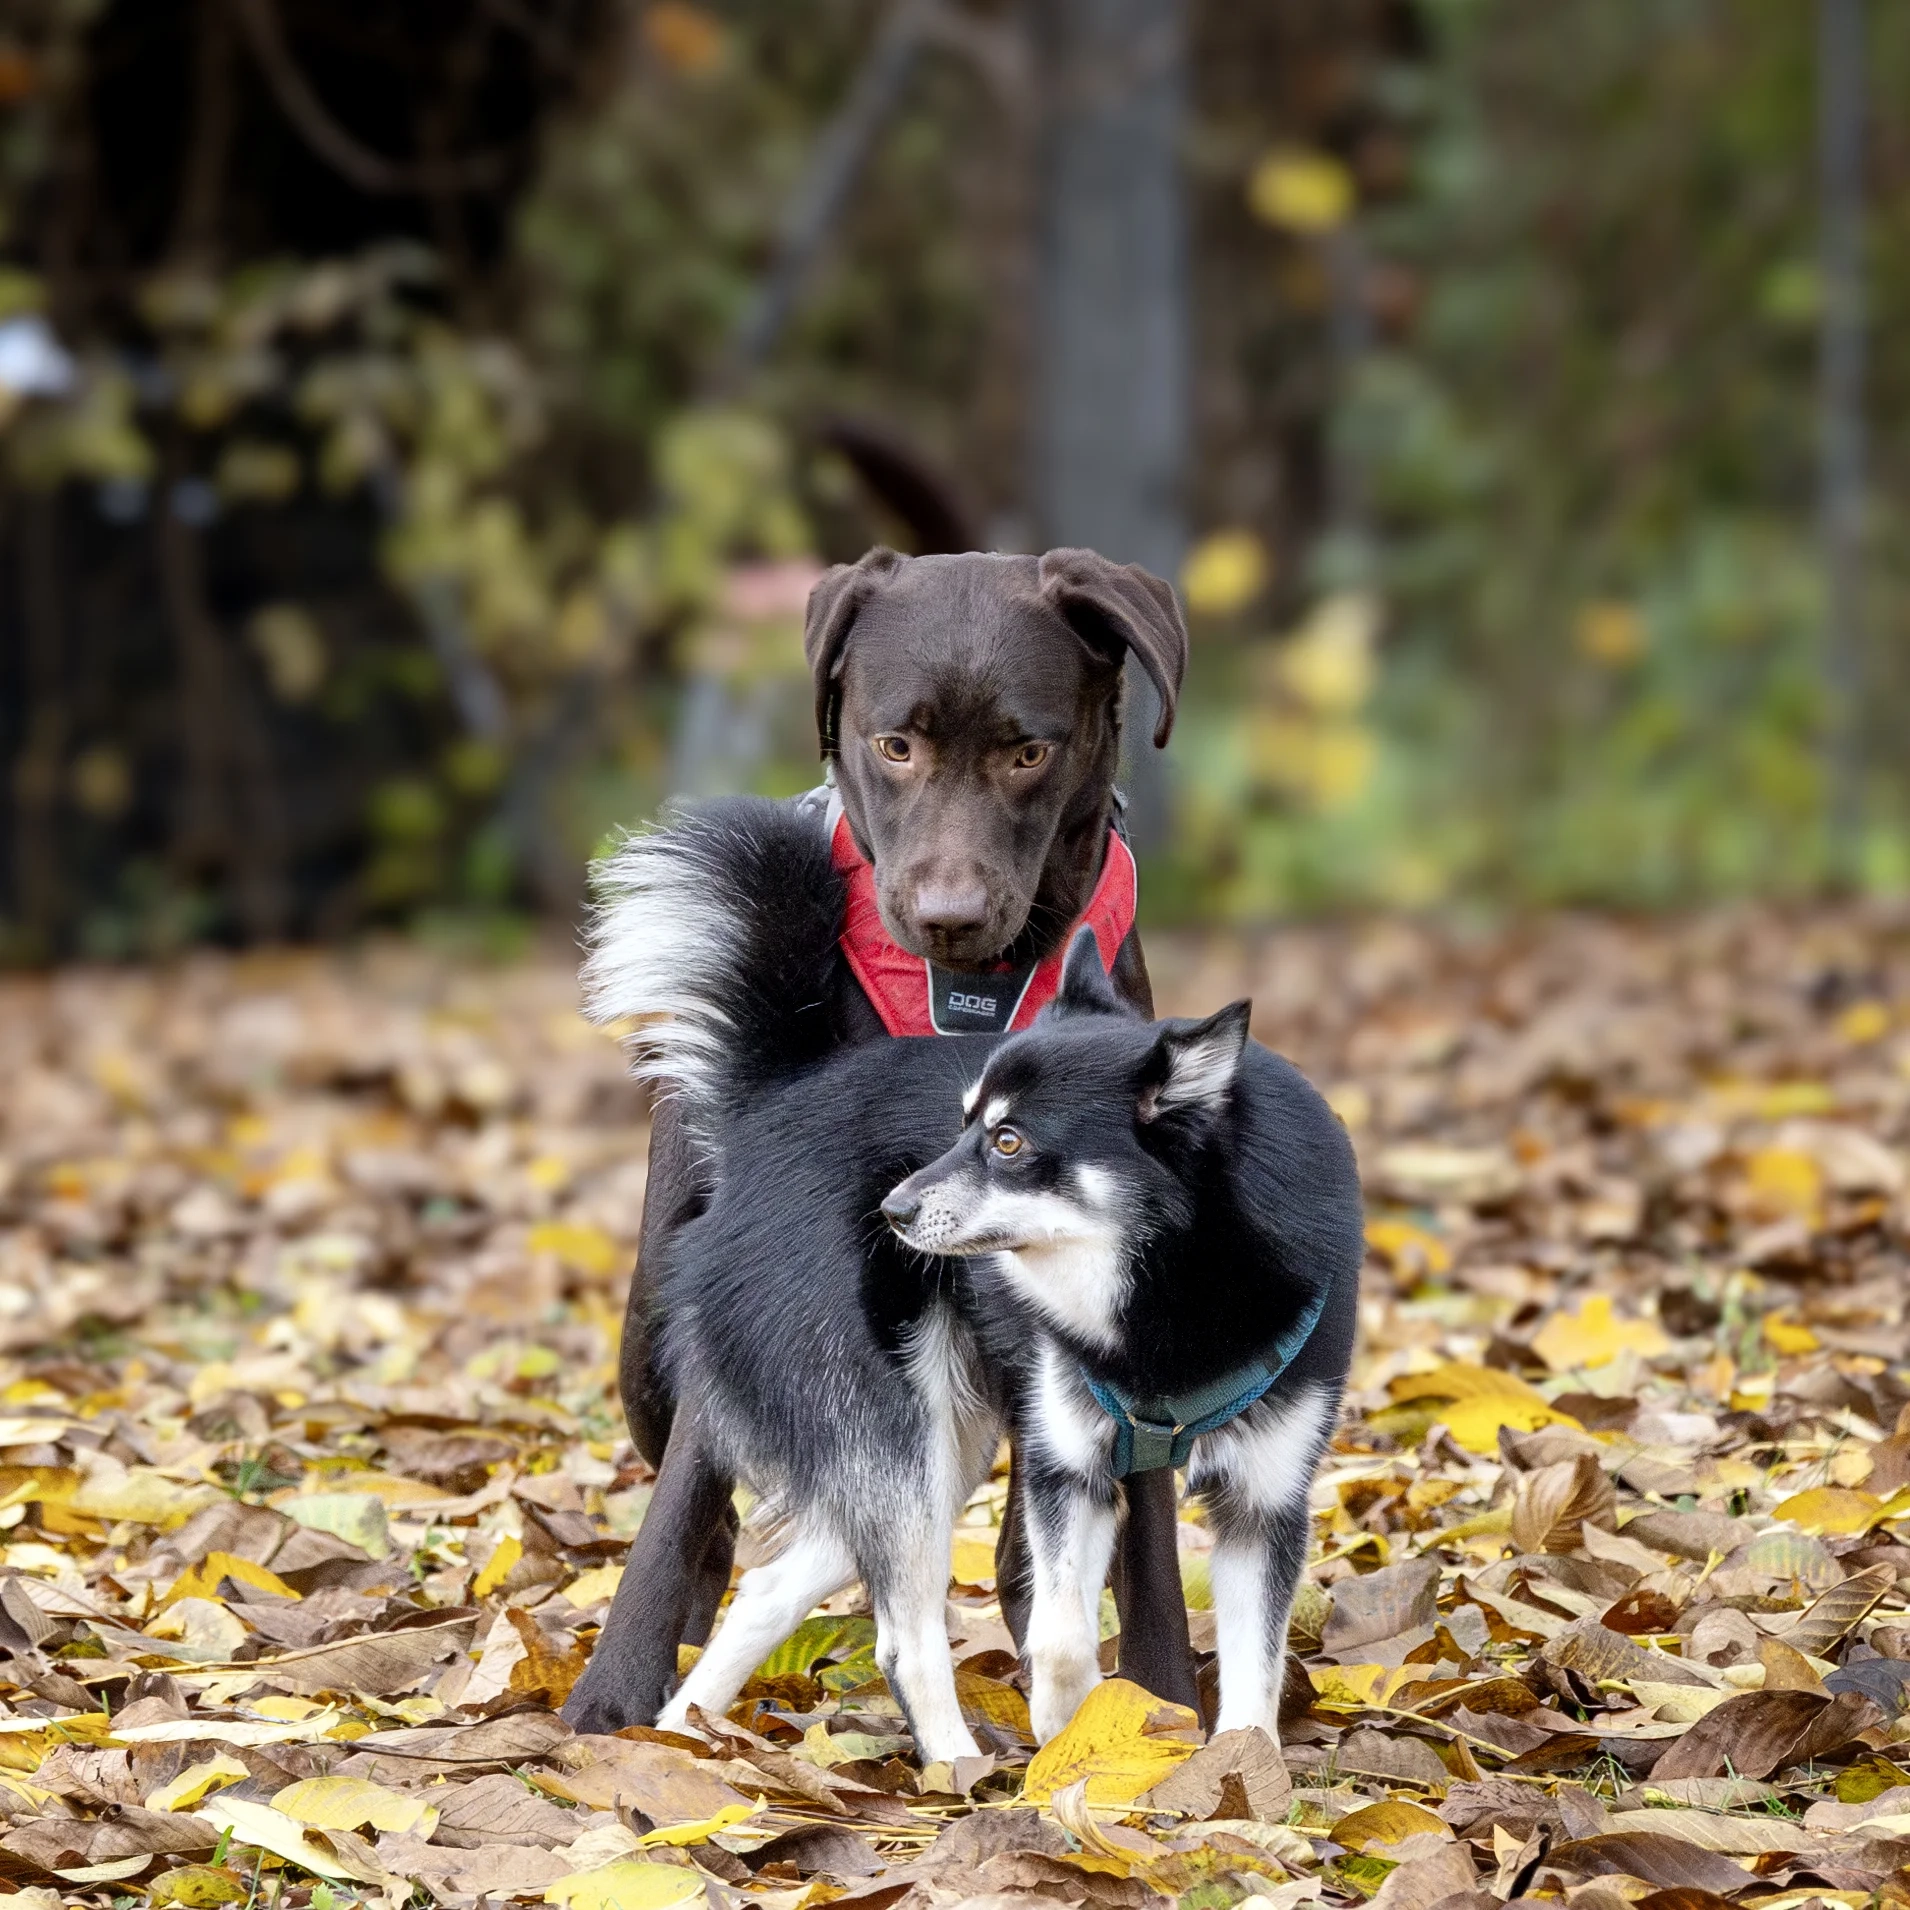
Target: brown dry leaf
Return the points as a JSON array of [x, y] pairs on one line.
[[1713, 1830], [667, 1785], [380, 1664], [1601, 1656], [1751, 1735], [1382, 1604], [1427, 1877], [1250, 1758], [1830, 1617], [1786, 1668], [1672, 1863], [1555, 1502]]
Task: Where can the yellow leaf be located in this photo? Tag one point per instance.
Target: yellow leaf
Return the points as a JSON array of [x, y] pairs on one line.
[[1350, 1686], [285, 1707], [1391, 1822], [1864, 1021], [1784, 1181], [195, 1782], [627, 1885], [1459, 1380], [139, 1495], [586, 1250], [1837, 1510], [601, 1581], [1123, 1741], [998, 1703], [199, 1887], [351, 1803], [1407, 1248], [1303, 191], [1224, 573], [263, 1828], [204, 1579], [972, 1558], [498, 1568], [1785, 1333], [1488, 1524], [703, 1830], [1475, 1423], [1594, 1336]]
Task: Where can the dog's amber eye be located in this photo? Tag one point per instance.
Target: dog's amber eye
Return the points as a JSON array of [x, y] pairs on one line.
[[1007, 1143], [892, 749], [1032, 755]]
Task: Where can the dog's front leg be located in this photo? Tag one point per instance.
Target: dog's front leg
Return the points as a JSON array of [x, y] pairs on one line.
[[770, 1603], [1069, 1519], [1255, 1567], [633, 1668], [1255, 1476]]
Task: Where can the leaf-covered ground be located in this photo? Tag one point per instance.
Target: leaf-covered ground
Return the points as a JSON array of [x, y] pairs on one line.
[[313, 1487]]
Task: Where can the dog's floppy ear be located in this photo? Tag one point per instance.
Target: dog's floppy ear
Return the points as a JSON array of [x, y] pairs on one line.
[[839, 594], [1085, 989], [1114, 607], [1192, 1062]]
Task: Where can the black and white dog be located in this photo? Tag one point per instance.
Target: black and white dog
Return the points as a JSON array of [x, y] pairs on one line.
[[1141, 1249]]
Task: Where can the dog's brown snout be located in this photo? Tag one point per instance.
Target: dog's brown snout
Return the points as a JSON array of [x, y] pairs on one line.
[[951, 908]]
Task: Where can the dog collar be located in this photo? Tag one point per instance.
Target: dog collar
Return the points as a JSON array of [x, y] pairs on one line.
[[916, 997], [1152, 1433]]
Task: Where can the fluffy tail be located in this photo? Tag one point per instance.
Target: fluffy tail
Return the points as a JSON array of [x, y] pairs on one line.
[[716, 934]]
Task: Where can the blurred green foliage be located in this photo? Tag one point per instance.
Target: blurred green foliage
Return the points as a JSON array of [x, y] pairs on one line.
[[1589, 462]]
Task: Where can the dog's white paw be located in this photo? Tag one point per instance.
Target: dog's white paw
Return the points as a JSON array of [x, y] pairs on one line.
[[1058, 1687]]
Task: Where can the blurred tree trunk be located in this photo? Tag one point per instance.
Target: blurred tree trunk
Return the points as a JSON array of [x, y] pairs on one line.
[[1841, 450], [1111, 395]]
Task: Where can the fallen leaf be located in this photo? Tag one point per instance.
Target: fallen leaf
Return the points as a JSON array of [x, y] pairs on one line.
[[1553, 1504], [1593, 1335], [1122, 1740], [1839, 1510], [1388, 1823], [628, 1885], [1381, 1604], [353, 1803]]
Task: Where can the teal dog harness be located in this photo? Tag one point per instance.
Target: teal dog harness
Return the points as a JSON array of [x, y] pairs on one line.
[[1152, 1433]]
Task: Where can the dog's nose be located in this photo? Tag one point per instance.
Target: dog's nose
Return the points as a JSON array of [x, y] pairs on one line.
[[901, 1207], [950, 908]]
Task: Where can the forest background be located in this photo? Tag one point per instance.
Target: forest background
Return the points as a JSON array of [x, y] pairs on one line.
[[418, 427]]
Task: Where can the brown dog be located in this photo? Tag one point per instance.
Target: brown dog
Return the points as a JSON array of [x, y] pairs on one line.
[[970, 707]]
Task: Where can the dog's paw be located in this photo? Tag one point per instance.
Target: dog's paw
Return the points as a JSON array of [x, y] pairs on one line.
[[605, 1705]]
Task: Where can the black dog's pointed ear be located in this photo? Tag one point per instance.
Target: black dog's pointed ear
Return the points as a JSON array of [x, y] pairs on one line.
[[1085, 989], [1121, 607], [839, 594], [1192, 1063]]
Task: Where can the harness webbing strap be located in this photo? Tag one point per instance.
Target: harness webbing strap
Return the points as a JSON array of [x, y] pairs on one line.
[[913, 997], [1152, 1433]]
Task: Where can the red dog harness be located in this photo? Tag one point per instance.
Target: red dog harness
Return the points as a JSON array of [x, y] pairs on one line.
[[915, 997]]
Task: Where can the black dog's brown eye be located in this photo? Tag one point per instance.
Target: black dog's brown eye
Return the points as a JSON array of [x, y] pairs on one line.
[[892, 749], [1007, 1143], [1032, 755]]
